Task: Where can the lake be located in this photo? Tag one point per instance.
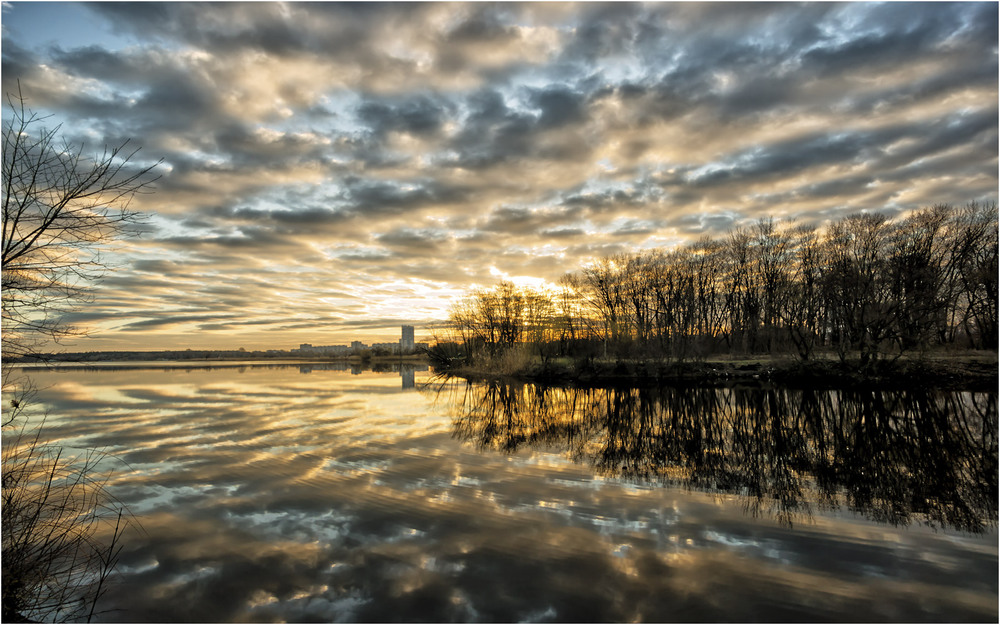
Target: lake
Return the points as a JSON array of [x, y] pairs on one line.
[[308, 493]]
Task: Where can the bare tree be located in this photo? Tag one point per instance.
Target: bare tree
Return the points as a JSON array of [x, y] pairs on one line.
[[858, 293], [865, 287], [771, 264], [740, 291], [975, 252], [493, 318], [569, 320], [802, 310], [602, 282], [59, 206], [540, 322], [706, 258], [918, 275]]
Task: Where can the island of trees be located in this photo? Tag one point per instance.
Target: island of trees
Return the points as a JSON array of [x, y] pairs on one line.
[[851, 298]]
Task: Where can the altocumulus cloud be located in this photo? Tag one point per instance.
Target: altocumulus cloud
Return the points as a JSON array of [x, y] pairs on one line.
[[331, 171]]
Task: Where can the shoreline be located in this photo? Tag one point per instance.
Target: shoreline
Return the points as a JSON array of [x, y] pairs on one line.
[[154, 363], [965, 371], [939, 372]]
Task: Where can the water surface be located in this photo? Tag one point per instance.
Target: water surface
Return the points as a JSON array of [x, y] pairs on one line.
[[305, 493]]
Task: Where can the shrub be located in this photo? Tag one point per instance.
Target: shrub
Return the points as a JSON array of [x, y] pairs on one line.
[[54, 511], [513, 360]]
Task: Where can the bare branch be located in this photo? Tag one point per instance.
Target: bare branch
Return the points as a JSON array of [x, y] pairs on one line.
[[59, 208]]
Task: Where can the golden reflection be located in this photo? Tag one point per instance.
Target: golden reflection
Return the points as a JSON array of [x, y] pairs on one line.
[[895, 457]]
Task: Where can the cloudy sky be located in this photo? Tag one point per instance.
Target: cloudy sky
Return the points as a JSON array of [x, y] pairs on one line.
[[331, 171]]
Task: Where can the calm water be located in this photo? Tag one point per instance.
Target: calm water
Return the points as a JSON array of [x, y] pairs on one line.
[[310, 494]]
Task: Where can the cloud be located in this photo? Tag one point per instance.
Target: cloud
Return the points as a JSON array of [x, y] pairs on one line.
[[405, 238], [559, 106], [560, 233], [419, 115], [340, 145]]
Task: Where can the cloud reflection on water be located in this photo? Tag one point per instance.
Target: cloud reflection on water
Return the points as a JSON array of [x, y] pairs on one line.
[[894, 456], [270, 495]]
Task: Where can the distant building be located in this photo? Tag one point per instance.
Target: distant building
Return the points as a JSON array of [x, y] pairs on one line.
[[328, 350], [406, 342], [405, 345]]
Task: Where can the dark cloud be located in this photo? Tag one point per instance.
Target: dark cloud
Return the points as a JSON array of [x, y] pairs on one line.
[[167, 319], [244, 237], [559, 106], [524, 221], [303, 219], [246, 148], [632, 227], [97, 62], [607, 201], [368, 198], [562, 233], [604, 29], [366, 257], [406, 238], [175, 98], [420, 116], [949, 132], [492, 133], [236, 325], [210, 25], [838, 187], [484, 26], [874, 150], [896, 33]]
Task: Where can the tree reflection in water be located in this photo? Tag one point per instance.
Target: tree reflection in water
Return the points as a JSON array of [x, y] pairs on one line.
[[896, 457]]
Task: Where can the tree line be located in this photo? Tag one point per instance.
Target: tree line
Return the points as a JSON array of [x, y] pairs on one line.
[[865, 287]]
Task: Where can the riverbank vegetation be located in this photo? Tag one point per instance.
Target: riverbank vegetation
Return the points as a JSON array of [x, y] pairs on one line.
[[863, 292], [60, 529]]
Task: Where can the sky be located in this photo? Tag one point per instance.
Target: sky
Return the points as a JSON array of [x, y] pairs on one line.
[[332, 171]]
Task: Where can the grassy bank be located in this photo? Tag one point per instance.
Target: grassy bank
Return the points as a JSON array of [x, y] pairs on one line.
[[958, 371]]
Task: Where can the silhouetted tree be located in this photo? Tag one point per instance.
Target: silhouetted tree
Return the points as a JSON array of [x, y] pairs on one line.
[[59, 206], [917, 275], [975, 251], [857, 293], [801, 311]]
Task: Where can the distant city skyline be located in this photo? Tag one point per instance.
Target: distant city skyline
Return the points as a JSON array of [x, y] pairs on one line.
[[332, 171], [405, 343]]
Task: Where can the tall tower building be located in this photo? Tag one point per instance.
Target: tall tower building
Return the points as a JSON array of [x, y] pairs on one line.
[[406, 342]]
